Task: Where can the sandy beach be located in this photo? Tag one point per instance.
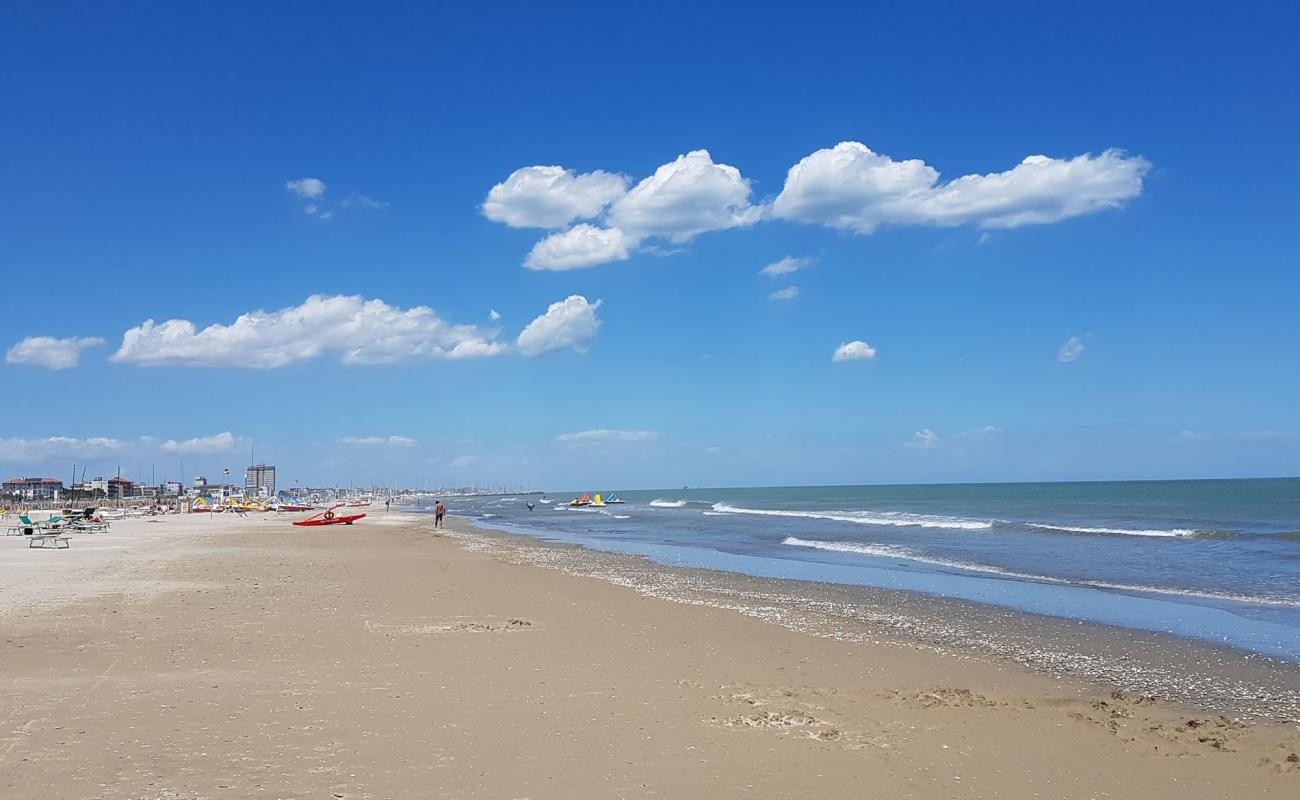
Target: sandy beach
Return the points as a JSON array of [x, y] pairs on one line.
[[210, 657]]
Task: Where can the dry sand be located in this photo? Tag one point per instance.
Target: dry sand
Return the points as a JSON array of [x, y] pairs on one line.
[[191, 657]]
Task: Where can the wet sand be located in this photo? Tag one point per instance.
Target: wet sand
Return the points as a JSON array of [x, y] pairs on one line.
[[206, 658]]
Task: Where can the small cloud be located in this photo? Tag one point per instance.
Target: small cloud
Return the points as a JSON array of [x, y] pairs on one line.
[[570, 322], [327, 215], [925, 439], [493, 314], [985, 238], [461, 462], [788, 293], [217, 443], [355, 200], [856, 350], [985, 431], [1071, 351], [311, 210], [49, 352], [378, 441], [785, 266], [306, 188], [605, 435]]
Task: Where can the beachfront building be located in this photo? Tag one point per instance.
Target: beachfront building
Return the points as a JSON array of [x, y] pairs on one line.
[[33, 488], [118, 488], [171, 489], [259, 480]]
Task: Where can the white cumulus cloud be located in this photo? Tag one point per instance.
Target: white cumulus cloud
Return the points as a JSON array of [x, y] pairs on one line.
[[682, 199], [306, 188], [581, 246], [685, 198], [788, 293], [605, 435], [49, 352], [217, 443], [570, 322], [852, 188], [359, 331], [785, 266], [1071, 351], [493, 314], [378, 441], [856, 350], [551, 197]]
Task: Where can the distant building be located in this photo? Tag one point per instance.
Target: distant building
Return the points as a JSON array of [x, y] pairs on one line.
[[98, 484], [34, 488], [119, 488], [172, 488], [259, 480], [200, 482]]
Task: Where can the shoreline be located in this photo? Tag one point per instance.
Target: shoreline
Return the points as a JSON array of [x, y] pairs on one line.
[[196, 658], [1200, 675]]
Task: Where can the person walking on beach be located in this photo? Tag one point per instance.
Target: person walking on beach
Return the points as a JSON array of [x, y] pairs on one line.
[[438, 511]]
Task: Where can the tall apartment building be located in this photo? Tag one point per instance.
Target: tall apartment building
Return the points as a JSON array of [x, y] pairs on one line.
[[258, 478]]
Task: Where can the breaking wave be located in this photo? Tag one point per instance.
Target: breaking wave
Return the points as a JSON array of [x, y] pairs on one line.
[[886, 551], [893, 518]]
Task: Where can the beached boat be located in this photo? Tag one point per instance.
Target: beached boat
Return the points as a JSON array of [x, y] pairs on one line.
[[328, 518]]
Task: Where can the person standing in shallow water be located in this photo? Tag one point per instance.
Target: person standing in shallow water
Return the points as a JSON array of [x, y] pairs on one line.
[[438, 511]]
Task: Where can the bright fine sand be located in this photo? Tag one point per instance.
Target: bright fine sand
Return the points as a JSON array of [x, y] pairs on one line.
[[197, 657]]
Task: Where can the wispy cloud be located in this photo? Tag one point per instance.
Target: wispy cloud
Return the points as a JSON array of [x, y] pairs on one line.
[[605, 435], [356, 200], [785, 266], [788, 293], [925, 439], [217, 443], [378, 441], [1072, 350], [49, 352], [22, 450]]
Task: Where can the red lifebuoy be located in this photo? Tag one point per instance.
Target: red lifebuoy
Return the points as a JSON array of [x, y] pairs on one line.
[[329, 515]]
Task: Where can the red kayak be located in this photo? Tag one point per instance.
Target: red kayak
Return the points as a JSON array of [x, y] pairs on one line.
[[328, 518]]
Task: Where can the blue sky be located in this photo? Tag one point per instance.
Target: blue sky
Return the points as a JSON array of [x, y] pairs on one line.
[[153, 161]]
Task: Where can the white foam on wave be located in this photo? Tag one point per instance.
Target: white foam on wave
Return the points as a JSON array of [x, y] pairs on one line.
[[886, 551], [622, 516], [667, 503], [891, 518], [1172, 532]]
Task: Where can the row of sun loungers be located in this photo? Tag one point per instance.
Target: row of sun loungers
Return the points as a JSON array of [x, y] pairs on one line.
[[54, 531]]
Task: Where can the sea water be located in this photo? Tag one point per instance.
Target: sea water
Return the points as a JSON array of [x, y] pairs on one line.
[[1216, 560]]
